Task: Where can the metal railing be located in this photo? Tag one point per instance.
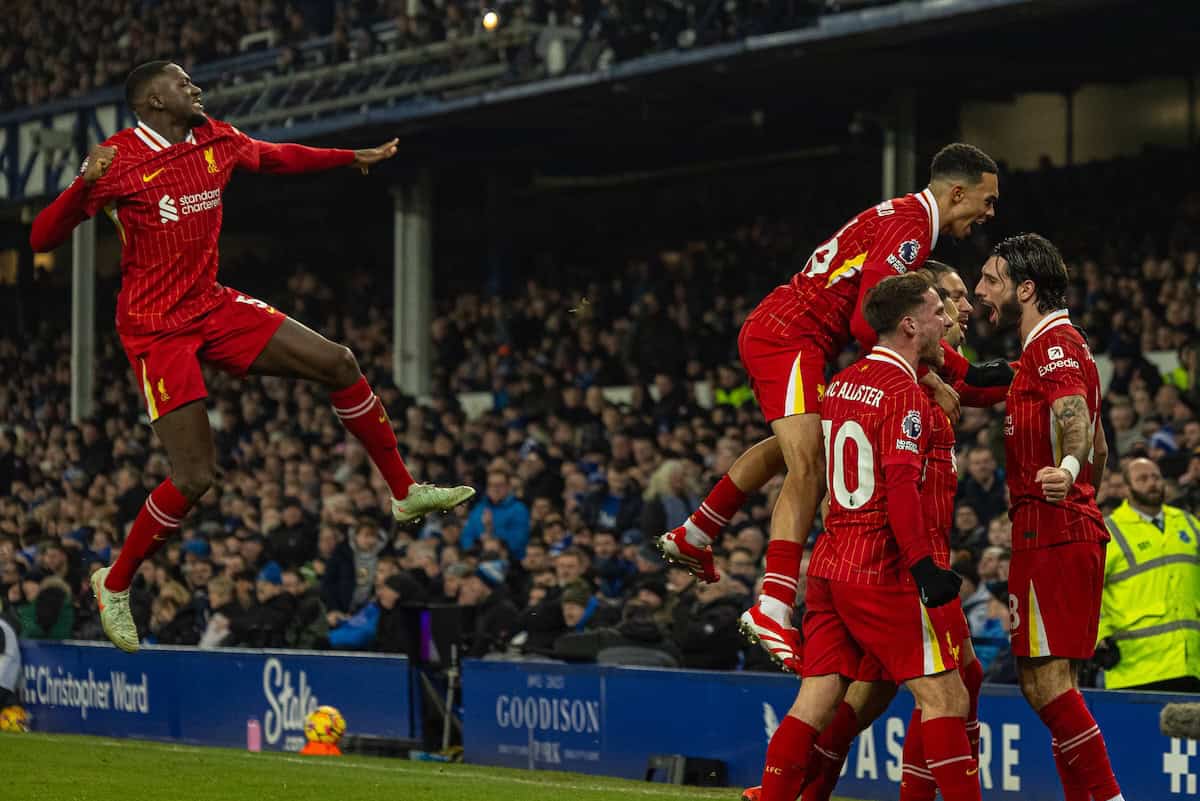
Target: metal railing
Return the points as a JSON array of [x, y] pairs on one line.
[[459, 65]]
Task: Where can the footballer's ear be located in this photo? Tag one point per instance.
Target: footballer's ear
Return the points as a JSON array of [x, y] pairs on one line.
[[1026, 290]]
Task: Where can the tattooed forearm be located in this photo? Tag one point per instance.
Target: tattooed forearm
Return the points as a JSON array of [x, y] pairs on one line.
[[1074, 426]]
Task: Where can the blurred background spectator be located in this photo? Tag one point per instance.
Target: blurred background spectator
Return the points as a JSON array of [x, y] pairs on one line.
[[584, 435]]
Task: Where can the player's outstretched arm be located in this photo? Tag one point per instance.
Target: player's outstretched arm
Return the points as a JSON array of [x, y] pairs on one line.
[[364, 159], [54, 224], [986, 383], [286, 159], [1074, 424]]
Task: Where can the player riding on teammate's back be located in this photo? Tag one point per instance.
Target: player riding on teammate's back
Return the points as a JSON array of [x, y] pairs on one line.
[[785, 345], [161, 183]]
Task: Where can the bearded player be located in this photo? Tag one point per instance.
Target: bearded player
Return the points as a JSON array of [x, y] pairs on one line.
[[1055, 458], [161, 183], [785, 345]]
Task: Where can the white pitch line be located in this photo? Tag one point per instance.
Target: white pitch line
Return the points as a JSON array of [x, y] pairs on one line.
[[437, 772]]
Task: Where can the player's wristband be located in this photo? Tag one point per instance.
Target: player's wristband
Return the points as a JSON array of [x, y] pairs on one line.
[[1071, 465]]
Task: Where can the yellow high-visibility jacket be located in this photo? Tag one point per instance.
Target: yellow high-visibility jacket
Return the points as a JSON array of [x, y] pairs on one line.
[[1151, 602]]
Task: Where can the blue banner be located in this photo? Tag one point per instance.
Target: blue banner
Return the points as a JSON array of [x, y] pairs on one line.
[[206, 696], [609, 720]]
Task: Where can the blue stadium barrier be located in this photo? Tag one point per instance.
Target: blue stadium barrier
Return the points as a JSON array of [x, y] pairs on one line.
[[608, 720], [205, 697]]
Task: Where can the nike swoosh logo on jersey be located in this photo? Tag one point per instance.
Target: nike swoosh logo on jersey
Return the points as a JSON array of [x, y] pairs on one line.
[[148, 178]]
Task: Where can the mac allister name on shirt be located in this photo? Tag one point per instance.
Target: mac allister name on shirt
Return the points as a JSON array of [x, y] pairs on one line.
[[855, 392]]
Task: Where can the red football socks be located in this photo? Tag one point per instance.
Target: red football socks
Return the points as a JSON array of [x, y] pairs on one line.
[[159, 518], [916, 781], [719, 507], [825, 766], [1081, 744], [1073, 789], [972, 676], [782, 571], [363, 415], [948, 755], [787, 760]]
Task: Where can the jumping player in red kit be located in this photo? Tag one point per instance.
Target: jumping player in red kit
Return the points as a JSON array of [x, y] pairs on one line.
[[785, 345], [873, 581], [1055, 453], [161, 183]]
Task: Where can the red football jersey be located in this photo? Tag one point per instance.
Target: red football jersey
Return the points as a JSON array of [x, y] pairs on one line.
[[939, 483], [166, 203], [1055, 363], [874, 414], [821, 302]]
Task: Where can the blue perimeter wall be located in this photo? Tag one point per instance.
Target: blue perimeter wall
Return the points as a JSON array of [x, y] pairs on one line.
[[608, 720], [206, 697]]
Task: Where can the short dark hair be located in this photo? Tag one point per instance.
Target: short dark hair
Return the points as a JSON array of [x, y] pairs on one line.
[[893, 299], [1031, 257], [960, 160], [936, 269], [140, 78]]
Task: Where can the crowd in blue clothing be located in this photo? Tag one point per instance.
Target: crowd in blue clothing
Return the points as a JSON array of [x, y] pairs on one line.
[[554, 559]]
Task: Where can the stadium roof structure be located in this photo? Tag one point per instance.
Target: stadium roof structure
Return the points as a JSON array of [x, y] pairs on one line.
[[818, 76]]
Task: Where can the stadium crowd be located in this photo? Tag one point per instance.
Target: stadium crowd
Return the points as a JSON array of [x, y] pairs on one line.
[[295, 548], [105, 39]]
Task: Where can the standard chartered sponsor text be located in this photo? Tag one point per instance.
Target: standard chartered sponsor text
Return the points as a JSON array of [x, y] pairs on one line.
[[201, 201], [63, 689]]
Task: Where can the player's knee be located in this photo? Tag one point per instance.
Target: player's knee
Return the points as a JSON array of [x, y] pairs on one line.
[[343, 368], [193, 482], [1040, 687], [945, 698]]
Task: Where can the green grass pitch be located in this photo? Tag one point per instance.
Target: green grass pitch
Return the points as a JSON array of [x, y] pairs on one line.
[[43, 767]]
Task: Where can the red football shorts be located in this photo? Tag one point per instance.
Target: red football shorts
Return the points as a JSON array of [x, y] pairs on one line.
[[1054, 599], [786, 374], [950, 617], [230, 337], [945, 618], [845, 623]]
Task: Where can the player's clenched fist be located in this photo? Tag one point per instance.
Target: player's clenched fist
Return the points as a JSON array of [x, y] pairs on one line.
[[99, 159], [1055, 482]]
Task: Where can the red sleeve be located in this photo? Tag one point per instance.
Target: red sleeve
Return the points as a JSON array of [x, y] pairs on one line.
[[55, 222], [954, 369], [286, 159], [76, 203], [900, 245], [1059, 365], [979, 397], [904, 513]]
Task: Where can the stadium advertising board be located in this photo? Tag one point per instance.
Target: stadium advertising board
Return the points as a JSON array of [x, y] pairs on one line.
[[206, 697], [608, 720]]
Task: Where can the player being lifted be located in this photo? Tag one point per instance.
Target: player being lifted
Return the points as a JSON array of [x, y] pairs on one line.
[[161, 183], [785, 345], [1055, 453], [873, 584]]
